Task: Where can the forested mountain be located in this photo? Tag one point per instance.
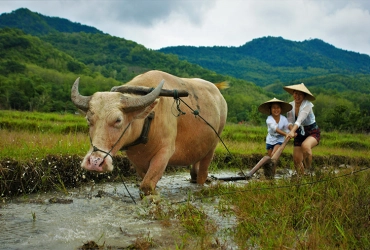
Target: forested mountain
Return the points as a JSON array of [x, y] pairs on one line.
[[49, 63], [270, 59], [40, 57], [36, 76], [36, 24]]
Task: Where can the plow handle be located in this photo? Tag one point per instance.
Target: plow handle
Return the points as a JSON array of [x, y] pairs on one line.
[[265, 160], [278, 152], [262, 162]]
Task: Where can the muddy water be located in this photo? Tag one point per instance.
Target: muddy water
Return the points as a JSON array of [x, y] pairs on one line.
[[104, 213]]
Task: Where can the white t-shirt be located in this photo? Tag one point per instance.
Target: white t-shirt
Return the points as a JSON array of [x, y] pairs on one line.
[[274, 137]]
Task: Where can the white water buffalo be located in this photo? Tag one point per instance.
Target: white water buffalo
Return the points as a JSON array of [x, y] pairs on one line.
[[116, 120]]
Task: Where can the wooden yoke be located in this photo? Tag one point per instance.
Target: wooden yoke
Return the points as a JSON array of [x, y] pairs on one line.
[[146, 90]]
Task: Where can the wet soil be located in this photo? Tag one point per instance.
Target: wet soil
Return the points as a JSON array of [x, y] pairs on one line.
[[52, 203], [100, 216]]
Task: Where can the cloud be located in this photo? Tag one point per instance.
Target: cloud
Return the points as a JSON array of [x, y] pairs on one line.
[[144, 13], [161, 23]]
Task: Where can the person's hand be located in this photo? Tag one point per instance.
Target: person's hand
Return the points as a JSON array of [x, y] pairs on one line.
[[291, 134]]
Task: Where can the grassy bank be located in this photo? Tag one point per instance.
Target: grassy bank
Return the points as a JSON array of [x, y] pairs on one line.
[[29, 139], [28, 136], [325, 211]]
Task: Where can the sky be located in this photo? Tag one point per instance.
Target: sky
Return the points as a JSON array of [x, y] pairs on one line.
[[161, 23]]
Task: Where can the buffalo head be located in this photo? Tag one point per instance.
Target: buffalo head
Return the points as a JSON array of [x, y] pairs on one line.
[[109, 115]]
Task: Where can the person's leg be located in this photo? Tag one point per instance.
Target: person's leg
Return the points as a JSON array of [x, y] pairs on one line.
[[306, 148], [298, 158], [274, 150], [269, 149], [269, 152]]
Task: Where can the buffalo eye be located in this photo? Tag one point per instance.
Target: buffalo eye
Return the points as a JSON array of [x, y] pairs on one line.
[[118, 122], [88, 121], [89, 116]]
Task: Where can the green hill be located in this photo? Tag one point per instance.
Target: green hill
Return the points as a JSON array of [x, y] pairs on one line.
[[270, 59], [36, 76], [51, 62], [36, 24], [42, 56]]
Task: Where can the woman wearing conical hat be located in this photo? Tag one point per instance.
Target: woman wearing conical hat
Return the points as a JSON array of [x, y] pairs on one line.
[[277, 124], [303, 127]]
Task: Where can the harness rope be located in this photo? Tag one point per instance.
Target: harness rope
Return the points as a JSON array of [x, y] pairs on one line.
[[95, 149], [196, 113]]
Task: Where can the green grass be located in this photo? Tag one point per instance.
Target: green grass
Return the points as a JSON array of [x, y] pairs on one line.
[[326, 211], [27, 135], [23, 145], [246, 139], [42, 122], [31, 135], [321, 212]]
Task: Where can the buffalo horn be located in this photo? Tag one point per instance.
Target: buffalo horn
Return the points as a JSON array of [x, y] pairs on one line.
[[80, 101], [135, 103]]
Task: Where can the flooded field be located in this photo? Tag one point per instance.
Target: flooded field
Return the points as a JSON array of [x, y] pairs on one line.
[[102, 213]]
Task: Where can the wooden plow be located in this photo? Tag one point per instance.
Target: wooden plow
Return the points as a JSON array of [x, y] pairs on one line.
[[269, 172]]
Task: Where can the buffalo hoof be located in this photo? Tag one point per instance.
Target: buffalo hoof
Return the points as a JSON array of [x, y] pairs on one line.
[[147, 193], [152, 199], [193, 180]]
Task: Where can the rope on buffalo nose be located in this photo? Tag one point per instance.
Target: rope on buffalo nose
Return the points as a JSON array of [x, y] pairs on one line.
[[196, 113], [108, 153], [120, 174], [95, 149]]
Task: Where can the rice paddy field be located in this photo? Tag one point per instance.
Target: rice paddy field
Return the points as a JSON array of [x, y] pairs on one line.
[[330, 209]]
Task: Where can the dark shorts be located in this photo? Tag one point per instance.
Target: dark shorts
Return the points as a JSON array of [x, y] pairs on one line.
[[311, 130], [270, 146]]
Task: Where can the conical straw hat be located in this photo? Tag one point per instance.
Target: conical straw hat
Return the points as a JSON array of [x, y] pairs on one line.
[[300, 87], [265, 108]]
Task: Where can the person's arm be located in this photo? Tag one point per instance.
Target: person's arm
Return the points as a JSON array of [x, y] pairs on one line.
[[273, 127], [281, 132], [293, 128], [303, 113], [290, 118]]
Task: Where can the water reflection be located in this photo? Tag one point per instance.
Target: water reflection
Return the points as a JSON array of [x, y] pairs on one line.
[[104, 213]]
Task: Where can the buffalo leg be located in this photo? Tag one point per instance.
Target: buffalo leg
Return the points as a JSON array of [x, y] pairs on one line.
[[155, 172], [194, 172], [203, 168]]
